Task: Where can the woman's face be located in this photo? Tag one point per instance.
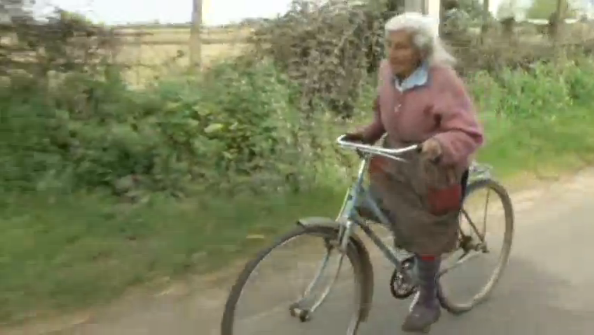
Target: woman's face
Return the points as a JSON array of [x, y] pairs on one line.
[[402, 53]]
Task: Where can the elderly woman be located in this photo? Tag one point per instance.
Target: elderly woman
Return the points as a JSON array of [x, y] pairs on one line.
[[421, 99]]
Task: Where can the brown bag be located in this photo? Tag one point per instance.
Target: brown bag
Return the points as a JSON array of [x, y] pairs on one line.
[[445, 200], [377, 164]]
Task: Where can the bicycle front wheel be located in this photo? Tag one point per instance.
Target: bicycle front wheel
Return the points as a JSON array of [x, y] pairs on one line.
[[280, 310], [470, 274]]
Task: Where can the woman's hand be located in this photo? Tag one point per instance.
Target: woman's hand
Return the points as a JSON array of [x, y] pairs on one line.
[[431, 150]]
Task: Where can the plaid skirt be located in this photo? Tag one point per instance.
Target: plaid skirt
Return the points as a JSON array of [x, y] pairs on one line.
[[403, 190]]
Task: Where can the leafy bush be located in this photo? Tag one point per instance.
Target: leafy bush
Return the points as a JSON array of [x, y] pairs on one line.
[[232, 127], [234, 124], [532, 94]]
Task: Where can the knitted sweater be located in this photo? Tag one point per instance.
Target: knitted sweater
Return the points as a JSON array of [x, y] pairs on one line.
[[442, 110]]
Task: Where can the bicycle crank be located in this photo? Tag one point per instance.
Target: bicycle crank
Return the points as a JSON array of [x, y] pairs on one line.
[[400, 287]]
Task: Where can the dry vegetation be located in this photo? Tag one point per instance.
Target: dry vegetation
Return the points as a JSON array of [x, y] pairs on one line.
[[151, 51]]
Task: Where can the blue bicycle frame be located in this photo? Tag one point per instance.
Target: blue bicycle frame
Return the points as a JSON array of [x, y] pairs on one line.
[[349, 218]]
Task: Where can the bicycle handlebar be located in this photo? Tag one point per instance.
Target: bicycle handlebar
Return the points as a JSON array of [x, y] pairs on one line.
[[375, 150]]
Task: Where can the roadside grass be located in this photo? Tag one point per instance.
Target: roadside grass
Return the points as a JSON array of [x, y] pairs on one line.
[[539, 147], [102, 248]]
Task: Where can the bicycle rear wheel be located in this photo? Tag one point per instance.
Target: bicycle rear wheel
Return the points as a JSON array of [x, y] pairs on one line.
[[474, 242], [301, 307]]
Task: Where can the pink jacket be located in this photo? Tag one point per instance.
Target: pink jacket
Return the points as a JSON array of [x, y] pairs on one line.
[[442, 109]]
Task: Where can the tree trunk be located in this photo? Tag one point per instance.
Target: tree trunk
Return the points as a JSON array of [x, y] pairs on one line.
[[556, 22], [485, 19]]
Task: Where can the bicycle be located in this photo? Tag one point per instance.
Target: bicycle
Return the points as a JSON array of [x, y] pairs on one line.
[[339, 234]]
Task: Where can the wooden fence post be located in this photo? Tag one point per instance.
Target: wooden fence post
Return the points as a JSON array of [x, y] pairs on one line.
[[485, 18], [195, 35], [138, 65], [557, 22]]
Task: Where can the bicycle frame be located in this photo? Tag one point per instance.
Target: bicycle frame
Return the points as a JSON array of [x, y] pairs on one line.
[[349, 219]]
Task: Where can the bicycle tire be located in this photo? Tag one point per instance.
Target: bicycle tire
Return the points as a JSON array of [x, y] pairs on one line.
[[352, 254], [460, 308]]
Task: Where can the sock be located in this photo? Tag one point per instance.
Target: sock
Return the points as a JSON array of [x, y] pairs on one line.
[[428, 268]]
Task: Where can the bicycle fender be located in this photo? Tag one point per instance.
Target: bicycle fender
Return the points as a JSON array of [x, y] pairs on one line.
[[364, 258], [318, 221]]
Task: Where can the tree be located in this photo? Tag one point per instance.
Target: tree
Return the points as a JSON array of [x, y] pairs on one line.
[[486, 18], [507, 13], [507, 9], [544, 9], [473, 8], [14, 9]]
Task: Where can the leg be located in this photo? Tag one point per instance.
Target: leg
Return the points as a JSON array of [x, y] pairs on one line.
[[464, 184], [426, 310]]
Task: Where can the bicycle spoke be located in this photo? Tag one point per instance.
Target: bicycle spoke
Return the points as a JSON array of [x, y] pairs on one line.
[[485, 213], [318, 276], [458, 298], [243, 316], [322, 298], [481, 238]]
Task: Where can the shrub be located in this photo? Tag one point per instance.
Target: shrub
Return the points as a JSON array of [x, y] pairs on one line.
[[535, 93], [327, 50], [231, 127]]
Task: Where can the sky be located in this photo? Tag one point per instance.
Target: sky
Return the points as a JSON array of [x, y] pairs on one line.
[[216, 12]]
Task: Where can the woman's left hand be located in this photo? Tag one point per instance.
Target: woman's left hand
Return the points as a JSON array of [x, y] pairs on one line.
[[431, 150], [431, 153]]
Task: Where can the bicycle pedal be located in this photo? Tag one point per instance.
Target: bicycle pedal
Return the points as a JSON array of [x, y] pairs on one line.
[[403, 255], [304, 315]]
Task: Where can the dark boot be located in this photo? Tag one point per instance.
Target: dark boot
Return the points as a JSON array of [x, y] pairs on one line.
[[426, 310]]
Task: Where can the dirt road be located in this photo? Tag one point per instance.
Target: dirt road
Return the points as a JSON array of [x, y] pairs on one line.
[[547, 289]]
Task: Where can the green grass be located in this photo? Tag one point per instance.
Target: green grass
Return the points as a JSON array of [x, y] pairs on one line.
[[539, 146], [73, 251]]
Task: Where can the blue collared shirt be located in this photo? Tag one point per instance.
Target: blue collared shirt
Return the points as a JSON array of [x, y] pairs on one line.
[[419, 77]]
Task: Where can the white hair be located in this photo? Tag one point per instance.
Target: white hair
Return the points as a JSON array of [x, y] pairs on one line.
[[425, 36]]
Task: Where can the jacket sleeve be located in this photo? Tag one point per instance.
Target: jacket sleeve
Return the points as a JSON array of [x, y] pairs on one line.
[[459, 132]]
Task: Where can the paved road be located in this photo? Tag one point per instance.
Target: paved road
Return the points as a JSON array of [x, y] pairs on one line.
[[547, 289]]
